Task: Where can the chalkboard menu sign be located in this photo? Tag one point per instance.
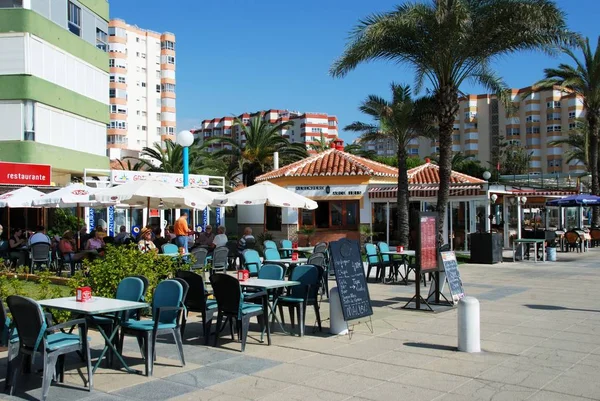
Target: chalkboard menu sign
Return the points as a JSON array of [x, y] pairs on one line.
[[452, 276], [350, 278], [427, 244]]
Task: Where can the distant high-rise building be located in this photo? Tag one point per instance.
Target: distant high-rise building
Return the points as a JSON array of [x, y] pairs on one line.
[[306, 128], [142, 88], [483, 125]]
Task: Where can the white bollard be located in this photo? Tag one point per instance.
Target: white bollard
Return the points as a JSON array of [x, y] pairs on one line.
[[468, 325], [338, 324]]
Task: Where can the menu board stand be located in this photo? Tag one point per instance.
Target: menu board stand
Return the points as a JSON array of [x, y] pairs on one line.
[[427, 257]]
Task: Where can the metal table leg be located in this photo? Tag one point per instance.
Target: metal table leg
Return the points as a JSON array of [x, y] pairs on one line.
[[109, 344]]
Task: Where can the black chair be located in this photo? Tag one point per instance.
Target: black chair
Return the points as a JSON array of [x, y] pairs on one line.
[[40, 255], [196, 300], [231, 305], [35, 337], [220, 260], [186, 289], [233, 254], [300, 296], [318, 259], [200, 255]]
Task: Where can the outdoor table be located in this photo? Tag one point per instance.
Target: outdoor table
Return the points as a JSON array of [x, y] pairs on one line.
[[535, 243], [270, 285], [304, 249], [98, 306], [288, 261], [174, 255], [404, 255]]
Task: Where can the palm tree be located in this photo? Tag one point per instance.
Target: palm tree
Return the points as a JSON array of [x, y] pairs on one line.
[[450, 41], [358, 150], [458, 159], [320, 145], [582, 79], [578, 143], [167, 159], [263, 139], [399, 120]]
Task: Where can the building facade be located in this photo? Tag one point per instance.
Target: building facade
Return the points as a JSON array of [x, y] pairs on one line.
[[53, 84], [306, 128], [483, 124], [142, 88]]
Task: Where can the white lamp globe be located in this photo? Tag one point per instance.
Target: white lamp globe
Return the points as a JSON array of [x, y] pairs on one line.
[[185, 138], [494, 198], [487, 175], [523, 200]]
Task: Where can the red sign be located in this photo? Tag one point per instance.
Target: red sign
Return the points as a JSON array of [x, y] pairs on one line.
[[25, 174], [154, 213], [428, 244], [84, 294]]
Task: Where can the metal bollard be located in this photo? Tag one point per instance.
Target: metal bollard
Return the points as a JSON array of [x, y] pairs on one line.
[[468, 325], [338, 324]]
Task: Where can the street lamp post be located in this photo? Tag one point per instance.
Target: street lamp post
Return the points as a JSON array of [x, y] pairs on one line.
[[185, 139]]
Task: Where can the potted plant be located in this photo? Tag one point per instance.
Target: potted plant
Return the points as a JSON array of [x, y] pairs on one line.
[[307, 231]]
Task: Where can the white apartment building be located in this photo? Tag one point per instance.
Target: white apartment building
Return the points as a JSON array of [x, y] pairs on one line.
[[483, 123], [142, 89], [53, 84], [306, 128]]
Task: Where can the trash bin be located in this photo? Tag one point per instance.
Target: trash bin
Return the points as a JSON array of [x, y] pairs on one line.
[[551, 254]]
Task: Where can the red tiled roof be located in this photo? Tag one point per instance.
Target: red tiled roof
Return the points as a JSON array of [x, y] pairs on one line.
[[429, 173], [332, 162]]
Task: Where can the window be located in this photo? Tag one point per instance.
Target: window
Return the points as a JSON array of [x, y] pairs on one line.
[[413, 151], [137, 112], [11, 3], [514, 142], [553, 116], [317, 130], [143, 70], [167, 44], [532, 119], [143, 114], [143, 84], [332, 214], [158, 102], [553, 105], [532, 130], [455, 138], [513, 131], [111, 78], [112, 93], [171, 130], [137, 54], [143, 128], [157, 116], [137, 39], [158, 131], [122, 80], [170, 60], [572, 114], [117, 124], [157, 88], [101, 39], [555, 163], [553, 128], [143, 55], [168, 87], [533, 141], [158, 74], [273, 218], [74, 18], [111, 62]]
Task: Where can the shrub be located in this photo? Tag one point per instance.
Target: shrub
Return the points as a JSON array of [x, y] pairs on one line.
[[104, 274]]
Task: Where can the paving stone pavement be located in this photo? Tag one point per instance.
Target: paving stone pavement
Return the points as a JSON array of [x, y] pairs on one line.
[[540, 331]]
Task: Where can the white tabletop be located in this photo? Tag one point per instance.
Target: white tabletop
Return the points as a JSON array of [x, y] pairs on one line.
[[94, 306], [267, 284], [405, 253], [288, 261], [174, 255], [299, 249]]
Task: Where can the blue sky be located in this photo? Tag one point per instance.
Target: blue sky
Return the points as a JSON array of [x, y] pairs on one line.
[[247, 55]]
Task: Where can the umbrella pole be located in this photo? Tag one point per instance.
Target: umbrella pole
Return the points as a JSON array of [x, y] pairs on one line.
[[148, 213], [8, 222]]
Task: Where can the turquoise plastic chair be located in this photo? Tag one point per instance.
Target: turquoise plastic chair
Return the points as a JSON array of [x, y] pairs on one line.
[[386, 260], [300, 296], [35, 337], [373, 261], [252, 261], [170, 248], [166, 315], [272, 254], [268, 244], [286, 243], [271, 272]]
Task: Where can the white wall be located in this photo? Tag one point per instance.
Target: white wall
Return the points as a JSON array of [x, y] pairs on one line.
[[23, 53], [11, 116], [59, 128]]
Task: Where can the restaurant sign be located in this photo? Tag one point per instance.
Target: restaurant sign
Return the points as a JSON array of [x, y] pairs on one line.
[[118, 177], [25, 174], [329, 190]]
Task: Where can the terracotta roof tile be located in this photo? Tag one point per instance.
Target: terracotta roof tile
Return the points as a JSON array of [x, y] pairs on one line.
[[332, 162], [428, 173]]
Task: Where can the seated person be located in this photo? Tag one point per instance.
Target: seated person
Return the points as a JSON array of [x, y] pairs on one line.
[[16, 247], [39, 236], [159, 240], [122, 235], [220, 238], [95, 242], [206, 237], [246, 237], [145, 243], [170, 233]]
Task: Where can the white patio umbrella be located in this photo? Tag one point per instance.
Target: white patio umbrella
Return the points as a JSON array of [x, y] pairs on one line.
[[266, 193], [201, 195], [149, 194], [73, 195], [22, 197]]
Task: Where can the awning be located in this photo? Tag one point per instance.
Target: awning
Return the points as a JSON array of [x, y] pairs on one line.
[[424, 191]]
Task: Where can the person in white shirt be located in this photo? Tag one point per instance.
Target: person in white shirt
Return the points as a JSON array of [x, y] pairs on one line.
[[39, 237], [220, 238]]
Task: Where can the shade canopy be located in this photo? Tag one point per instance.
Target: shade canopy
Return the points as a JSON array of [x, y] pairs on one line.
[[201, 195], [152, 194], [575, 200], [265, 193], [72, 195], [22, 197]]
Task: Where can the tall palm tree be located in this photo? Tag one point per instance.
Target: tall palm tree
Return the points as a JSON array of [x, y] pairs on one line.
[[447, 42], [167, 159], [578, 142], [400, 120], [263, 139], [583, 79]]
